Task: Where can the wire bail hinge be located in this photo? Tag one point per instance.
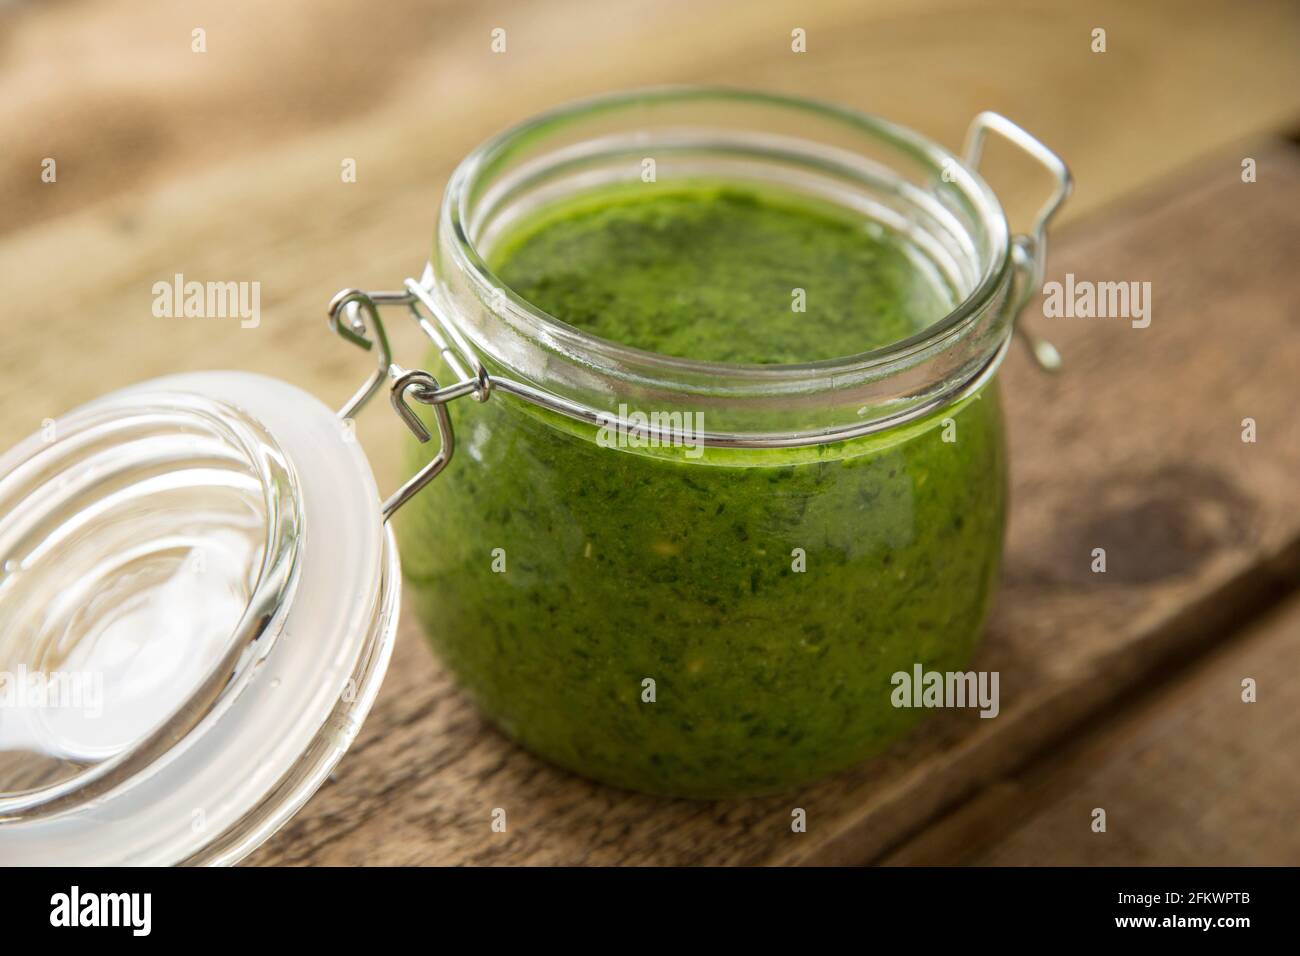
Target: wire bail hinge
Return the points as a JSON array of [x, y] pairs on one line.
[[1028, 252], [354, 315]]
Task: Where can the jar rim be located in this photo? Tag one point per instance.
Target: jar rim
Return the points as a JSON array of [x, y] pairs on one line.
[[490, 154]]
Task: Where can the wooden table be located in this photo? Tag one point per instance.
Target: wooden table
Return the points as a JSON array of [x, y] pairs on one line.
[[1120, 691]]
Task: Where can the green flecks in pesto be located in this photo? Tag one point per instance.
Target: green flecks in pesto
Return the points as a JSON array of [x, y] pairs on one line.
[[721, 274], [625, 567]]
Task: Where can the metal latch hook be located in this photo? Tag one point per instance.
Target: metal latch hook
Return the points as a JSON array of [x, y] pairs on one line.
[[354, 315], [424, 388], [346, 319]]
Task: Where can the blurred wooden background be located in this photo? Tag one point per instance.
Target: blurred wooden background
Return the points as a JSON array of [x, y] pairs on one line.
[[225, 165]]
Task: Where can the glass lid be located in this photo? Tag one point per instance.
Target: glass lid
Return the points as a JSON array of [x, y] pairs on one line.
[[184, 652]]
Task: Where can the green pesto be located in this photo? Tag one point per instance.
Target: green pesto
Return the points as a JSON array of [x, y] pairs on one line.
[[722, 274], [623, 566]]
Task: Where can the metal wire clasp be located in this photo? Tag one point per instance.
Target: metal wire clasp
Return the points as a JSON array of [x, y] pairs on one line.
[[1028, 252], [354, 315], [424, 387]]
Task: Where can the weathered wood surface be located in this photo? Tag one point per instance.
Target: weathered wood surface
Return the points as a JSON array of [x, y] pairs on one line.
[[226, 165], [1189, 775], [1136, 448]]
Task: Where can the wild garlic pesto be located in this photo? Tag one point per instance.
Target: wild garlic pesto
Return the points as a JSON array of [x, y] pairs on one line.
[[768, 594], [721, 273]]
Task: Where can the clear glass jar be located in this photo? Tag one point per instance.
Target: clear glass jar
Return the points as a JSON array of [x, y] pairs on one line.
[[723, 618]]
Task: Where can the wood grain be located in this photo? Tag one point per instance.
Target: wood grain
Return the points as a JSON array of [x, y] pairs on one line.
[[1136, 448], [1190, 775]]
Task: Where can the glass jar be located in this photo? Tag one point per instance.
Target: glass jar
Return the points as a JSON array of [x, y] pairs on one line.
[[720, 612]]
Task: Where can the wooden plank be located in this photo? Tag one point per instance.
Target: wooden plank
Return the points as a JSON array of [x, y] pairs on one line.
[[1192, 775], [1135, 448]]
